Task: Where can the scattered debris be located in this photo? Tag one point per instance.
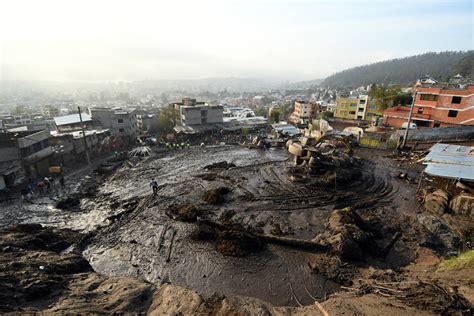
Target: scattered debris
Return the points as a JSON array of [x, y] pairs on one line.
[[216, 196], [223, 165], [185, 213], [142, 151], [420, 294]]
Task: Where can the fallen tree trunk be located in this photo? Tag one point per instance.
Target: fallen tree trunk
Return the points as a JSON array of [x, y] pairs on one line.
[[284, 241]]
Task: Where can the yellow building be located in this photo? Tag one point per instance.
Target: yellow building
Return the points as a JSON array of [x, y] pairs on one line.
[[361, 109], [346, 108], [373, 111]]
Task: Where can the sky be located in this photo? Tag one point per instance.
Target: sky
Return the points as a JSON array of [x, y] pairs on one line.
[[293, 40]]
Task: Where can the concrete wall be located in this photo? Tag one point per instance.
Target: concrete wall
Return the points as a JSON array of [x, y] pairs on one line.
[[197, 115], [458, 133], [215, 114]]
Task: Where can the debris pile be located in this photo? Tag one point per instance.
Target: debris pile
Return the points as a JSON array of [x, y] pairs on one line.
[[222, 165], [142, 151], [330, 157], [32, 266], [216, 196], [261, 141], [348, 236], [230, 240], [185, 213], [408, 157], [440, 201], [420, 294]]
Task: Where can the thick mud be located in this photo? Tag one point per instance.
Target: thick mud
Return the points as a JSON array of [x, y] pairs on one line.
[[145, 242], [134, 236]]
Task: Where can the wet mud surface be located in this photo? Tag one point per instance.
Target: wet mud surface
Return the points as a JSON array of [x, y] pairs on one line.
[[132, 235], [148, 244]]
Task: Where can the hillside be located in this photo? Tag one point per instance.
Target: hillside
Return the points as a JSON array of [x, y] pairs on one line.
[[405, 70]]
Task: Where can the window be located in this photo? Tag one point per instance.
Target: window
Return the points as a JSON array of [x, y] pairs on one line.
[[452, 113], [121, 130], [456, 100], [436, 125], [429, 97], [120, 120], [352, 112], [420, 110], [372, 107], [353, 105], [362, 101], [360, 110]]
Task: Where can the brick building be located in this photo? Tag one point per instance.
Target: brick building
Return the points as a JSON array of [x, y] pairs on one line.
[[304, 112], [436, 105]]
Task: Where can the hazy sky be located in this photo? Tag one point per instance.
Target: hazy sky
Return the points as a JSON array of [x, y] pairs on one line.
[[293, 40]]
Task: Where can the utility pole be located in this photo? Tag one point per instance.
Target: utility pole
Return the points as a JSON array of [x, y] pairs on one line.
[[409, 119], [84, 136]]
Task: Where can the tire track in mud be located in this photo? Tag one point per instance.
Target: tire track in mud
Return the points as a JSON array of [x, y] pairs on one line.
[[369, 189]]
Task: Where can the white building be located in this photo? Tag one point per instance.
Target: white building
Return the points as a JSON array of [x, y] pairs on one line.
[[198, 113]]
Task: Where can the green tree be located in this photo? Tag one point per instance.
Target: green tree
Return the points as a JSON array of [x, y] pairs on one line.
[[286, 109], [274, 116], [384, 95], [167, 120], [403, 98], [261, 111], [326, 114]]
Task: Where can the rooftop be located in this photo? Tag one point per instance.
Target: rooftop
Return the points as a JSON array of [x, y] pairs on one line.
[[450, 161], [71, 119]]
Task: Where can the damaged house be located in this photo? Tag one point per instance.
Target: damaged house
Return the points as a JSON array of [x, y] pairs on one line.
[[453, 166], [23, 154]]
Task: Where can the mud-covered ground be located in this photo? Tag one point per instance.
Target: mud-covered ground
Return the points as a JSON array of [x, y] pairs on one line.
[[128, 231]]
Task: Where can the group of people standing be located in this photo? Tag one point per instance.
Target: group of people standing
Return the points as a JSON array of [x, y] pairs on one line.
[[42, 186]]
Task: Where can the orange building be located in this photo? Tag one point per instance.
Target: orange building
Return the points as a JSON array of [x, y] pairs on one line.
[[436, 105]]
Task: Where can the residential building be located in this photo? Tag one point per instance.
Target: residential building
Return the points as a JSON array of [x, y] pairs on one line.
[[50, 111], [304, 112], [359, 108], [21, 119], [436, 105], [122, 123], [198, 113], [22, 154], [69, 147], [72, 122], [346, 108]]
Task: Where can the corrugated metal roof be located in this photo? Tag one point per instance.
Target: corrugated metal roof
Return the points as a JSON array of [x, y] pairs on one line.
[[450, 161], [71, 119]]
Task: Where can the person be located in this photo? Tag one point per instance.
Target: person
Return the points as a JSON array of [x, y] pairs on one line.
[[41, 187], [154, 186], [47, 182], [61, 181]]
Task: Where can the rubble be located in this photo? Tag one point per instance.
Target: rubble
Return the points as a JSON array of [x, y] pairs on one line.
[[463, 205], [185, 213], [142, 151], [437, 201], [222, 165], [348, 236], [440, 236], [216, 196]]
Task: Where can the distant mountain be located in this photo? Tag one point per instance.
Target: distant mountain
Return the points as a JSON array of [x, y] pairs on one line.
[[303, 84], [405, 71]]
